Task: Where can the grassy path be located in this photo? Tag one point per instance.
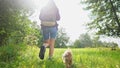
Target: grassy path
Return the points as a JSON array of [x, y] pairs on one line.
[[82, 58]]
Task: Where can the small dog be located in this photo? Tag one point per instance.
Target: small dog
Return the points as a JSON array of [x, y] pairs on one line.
[[67, 58]]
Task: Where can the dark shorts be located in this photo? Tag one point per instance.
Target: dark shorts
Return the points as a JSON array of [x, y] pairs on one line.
[[49, 32]]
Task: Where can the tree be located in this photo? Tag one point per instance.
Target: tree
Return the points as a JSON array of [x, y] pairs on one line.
[[77, 44], [83, 41], [14, 22], [97, 42], [105, 15], [62, 39]]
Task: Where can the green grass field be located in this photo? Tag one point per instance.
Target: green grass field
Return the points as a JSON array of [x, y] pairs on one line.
[[82, 58]]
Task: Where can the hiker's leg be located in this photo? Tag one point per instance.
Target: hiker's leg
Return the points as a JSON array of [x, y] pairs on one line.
[[43, 49], [46, 37], [51, 50], [53, 34], [46, 43]]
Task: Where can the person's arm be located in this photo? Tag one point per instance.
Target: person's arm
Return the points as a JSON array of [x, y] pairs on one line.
[[57, 15]]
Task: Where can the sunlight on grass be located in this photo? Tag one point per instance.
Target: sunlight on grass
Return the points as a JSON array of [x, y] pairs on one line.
[[82, 58]]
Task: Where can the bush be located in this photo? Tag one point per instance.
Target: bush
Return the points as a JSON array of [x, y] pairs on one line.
[[9, 53]]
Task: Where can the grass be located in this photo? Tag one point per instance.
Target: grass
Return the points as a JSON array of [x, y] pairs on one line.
[[82, 58]]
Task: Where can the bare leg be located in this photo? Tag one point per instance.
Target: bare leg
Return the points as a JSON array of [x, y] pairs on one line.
[[43, 49], [46, 43], [51, 50]]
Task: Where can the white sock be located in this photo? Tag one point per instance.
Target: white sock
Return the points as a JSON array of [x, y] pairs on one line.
[[45, 44]]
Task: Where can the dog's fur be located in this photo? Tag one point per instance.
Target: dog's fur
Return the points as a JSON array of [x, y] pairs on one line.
[[67, 58]]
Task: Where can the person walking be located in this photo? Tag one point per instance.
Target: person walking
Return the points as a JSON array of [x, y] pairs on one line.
[[49, 16]]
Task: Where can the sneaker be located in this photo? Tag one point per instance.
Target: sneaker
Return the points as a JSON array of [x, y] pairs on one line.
[[42, 52]]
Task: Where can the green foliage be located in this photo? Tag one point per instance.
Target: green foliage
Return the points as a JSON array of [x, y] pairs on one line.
[[83, 41], [82, 58], [77, 44], [34, 37], [105, 16], [9, 53], [62, 39], [15, 25]]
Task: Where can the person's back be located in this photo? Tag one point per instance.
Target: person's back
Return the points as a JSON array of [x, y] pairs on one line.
[[49, 12]]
